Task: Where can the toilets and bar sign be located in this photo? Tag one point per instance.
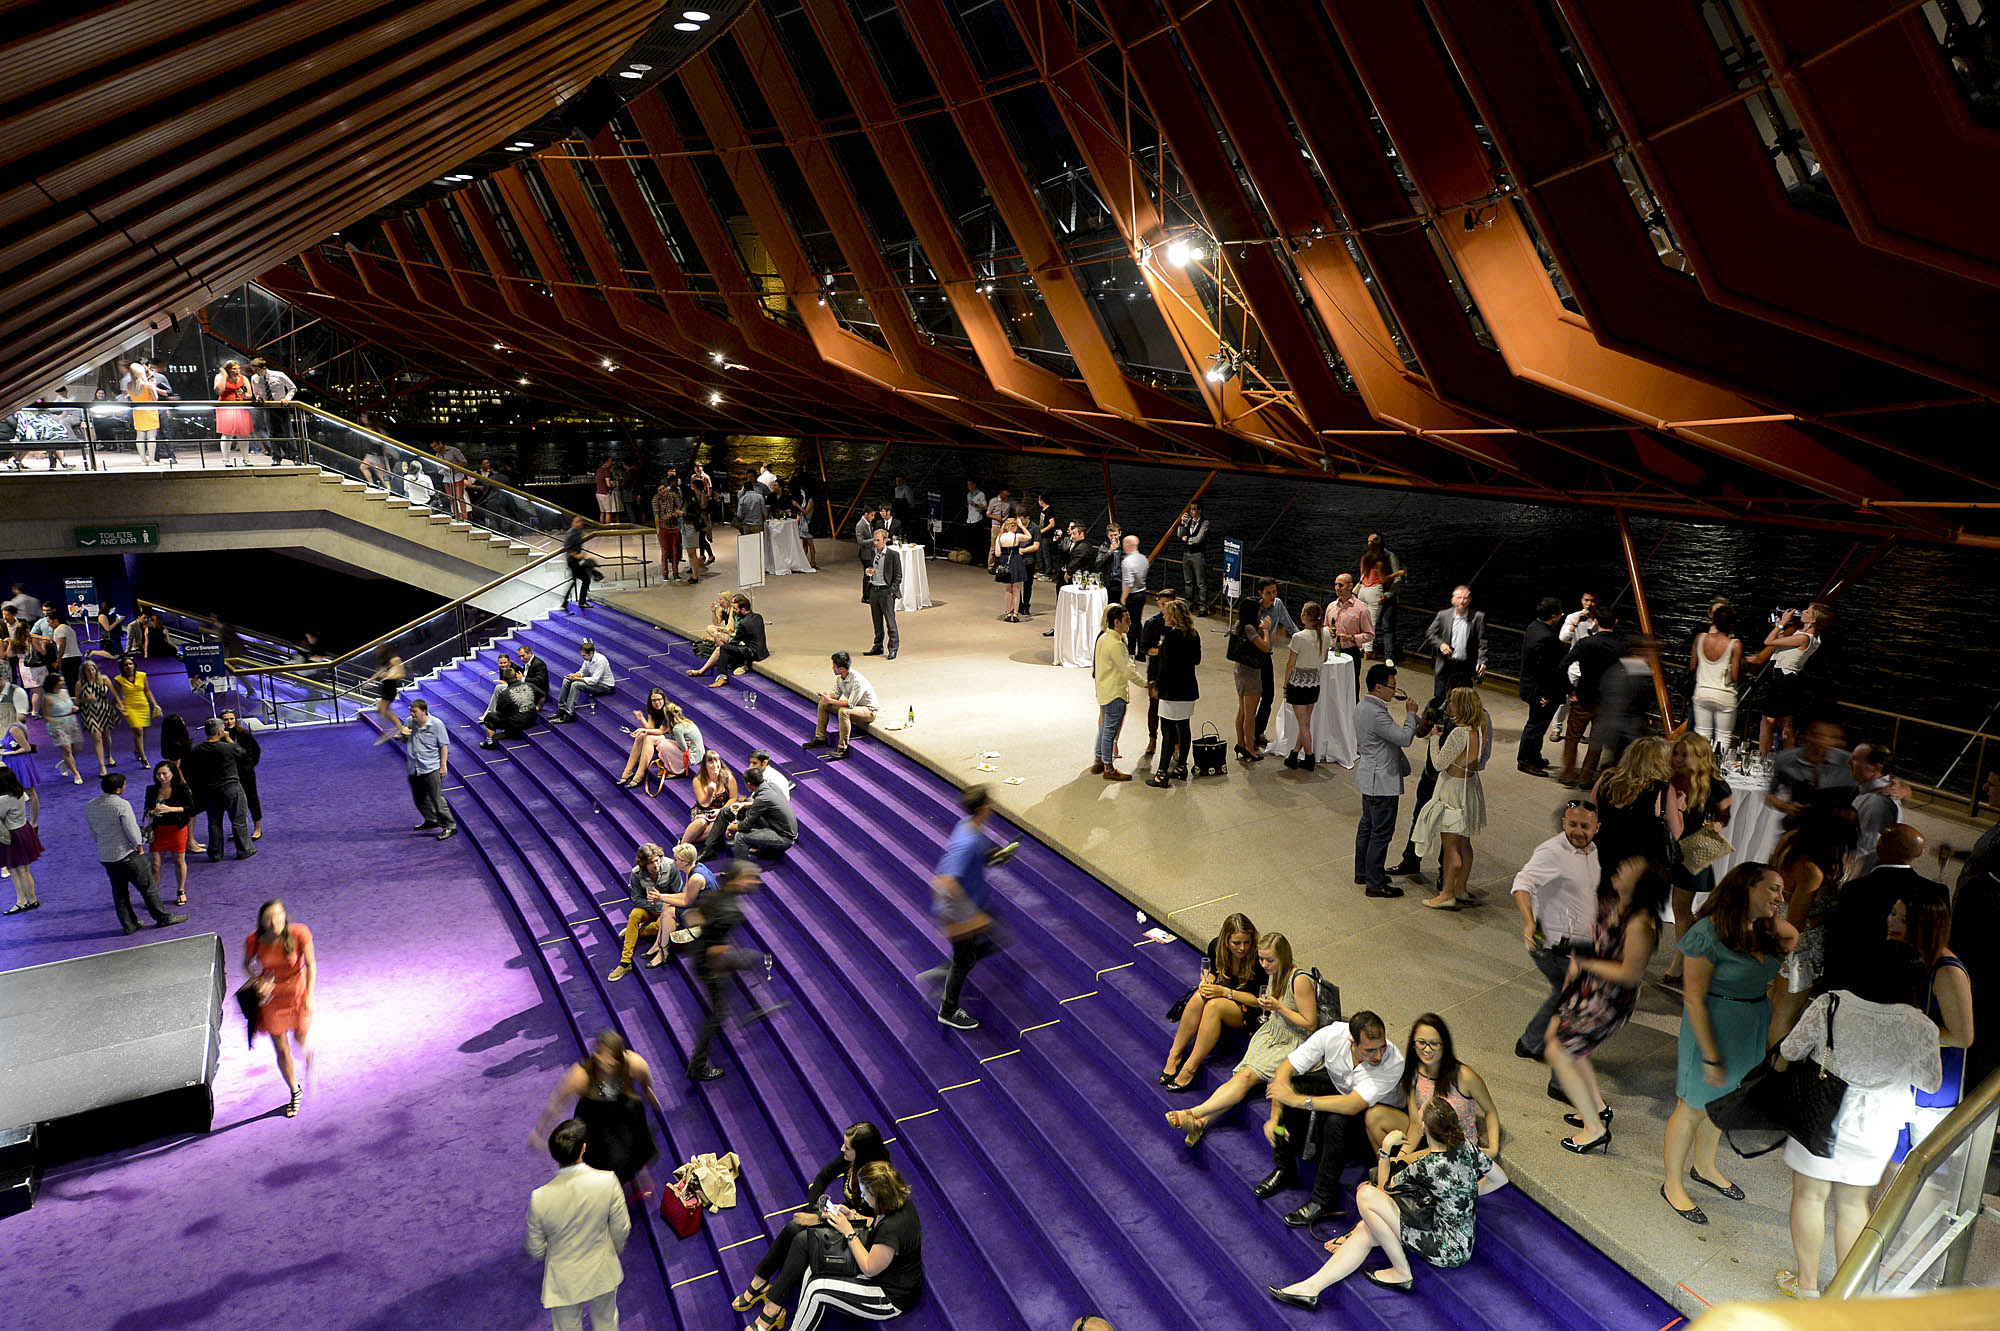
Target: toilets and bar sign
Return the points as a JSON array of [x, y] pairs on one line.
[[118, 538]]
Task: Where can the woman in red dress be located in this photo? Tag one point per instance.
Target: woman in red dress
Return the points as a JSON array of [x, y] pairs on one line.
[[279, 956], [233, 425]]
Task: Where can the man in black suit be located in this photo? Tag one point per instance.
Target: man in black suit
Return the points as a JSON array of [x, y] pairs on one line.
[[1459, 634], [1543, 686], [214, 769], [1858, 925], [536, 671], [745, 647], [885, 584], [1591, 657]]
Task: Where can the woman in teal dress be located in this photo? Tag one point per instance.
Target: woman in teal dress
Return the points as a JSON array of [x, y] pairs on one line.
[[1733, 951]]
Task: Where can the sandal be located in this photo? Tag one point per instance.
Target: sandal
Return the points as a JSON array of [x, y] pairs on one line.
[[1788, 1285], [181, 899], [750, 1297]]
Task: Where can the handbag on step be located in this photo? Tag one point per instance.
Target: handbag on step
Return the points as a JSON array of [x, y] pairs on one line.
[[681, 1205]]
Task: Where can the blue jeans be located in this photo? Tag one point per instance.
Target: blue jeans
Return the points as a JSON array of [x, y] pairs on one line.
[[1371, 838], [1111, 719]]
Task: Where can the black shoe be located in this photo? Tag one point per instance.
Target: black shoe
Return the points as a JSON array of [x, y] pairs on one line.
[[561, 719], [705, 1072], [448, 833], [245, 854], [1603, 1116], [1522, 1051], [1732, 1192], [1556, 1092], [1050, 634], [1271, 1184], [816, 742], [1310, 1302], [1600, 1144], [131, 929], [959, 1020], [1359, 881], [1263, 741], [425, 827], [1291, 761], [1693, 1215], [1531, 769], [1306, 1215], [172, 920], [1407, 868], [873, 651], [837, 754], [891, 656], [488, 744], [1309, 762], [1384, 892]]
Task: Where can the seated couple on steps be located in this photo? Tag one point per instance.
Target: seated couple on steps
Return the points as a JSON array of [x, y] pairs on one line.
[[659, 889], [743, 648], [762, 825], [664, 742]]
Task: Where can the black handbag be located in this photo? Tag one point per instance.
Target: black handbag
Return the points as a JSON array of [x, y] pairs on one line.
[[1243, 651], [1802, 1101], [250, 999], [830, 1255]]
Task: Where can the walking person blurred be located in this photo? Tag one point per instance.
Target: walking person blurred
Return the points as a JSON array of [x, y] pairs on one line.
[[958, 902], [719, 913], [279, 956]]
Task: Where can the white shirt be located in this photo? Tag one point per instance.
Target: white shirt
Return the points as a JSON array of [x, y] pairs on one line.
[[1132, 571], [1560, 883], [1461, 629], [1332, 1048], [975, 506], [1574, 627], [596, 669], [767, 480], [854, 691], [773, 777]]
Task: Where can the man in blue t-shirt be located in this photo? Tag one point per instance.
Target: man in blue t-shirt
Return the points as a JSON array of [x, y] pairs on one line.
[[958, 900]]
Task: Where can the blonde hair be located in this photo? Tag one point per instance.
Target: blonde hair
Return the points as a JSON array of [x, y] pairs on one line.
[[685, 855], [1281, 979], [885, 1186], [1465, 707], [1646, 762], [1312, 614], [1703, 771], [1175, 612], [675, 715]]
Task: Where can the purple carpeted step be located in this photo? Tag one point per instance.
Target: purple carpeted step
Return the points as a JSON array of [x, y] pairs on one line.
[[902, 813]]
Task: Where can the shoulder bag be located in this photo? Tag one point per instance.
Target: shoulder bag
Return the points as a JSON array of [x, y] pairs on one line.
[[1243, 651], [681, 1205], [1801, 1102], [830, 1255]]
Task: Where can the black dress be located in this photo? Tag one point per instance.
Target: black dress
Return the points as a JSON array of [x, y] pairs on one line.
[[1625, 831], [617, 1135]]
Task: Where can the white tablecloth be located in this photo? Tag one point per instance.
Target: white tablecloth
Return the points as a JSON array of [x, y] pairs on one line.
[[1079, 616], [784, 552], [916, 578], [1753, 825], [1333, 718]]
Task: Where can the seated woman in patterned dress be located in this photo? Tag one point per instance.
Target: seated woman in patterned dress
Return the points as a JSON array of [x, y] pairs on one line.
[[1289, 1007], [1421, 1201]]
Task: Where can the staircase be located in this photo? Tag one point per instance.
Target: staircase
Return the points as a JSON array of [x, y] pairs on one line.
[[1047, 1182]]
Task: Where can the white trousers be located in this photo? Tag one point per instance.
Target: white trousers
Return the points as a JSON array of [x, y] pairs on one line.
[[603, 1314]]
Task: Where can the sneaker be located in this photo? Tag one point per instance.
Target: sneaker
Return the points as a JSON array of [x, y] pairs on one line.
[[959, 1020]]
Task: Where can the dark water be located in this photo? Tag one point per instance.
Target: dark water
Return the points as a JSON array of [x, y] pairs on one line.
[[1911, 636]]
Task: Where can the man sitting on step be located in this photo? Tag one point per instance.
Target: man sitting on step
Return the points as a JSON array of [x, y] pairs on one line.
[[511, 710], [593, 676], [763, 825], [852, 703]]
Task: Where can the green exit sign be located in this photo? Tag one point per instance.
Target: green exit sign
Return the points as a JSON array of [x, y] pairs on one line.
[[117, 538]]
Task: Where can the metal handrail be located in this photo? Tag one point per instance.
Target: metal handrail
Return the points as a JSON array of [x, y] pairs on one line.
[[316, 665], [1958, 1126], [258, 635], [469, 473]]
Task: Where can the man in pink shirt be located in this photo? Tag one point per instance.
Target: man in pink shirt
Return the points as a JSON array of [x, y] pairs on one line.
[[1353, 625]]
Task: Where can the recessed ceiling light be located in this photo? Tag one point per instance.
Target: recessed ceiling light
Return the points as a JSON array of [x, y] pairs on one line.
[[715, 399], [641, 68], [630, 74], [698, 15], [687, 27], [524, 143], [512, 149]]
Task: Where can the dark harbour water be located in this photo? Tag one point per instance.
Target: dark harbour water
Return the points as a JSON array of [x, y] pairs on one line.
[[1912, 636]]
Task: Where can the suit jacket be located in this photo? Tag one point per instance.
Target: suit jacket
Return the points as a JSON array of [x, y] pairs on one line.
[[892, 573], [1593, 656], [1475, 638], [577, 1226], [1860, 915], [538, 679], [1383, 764], [1542, 654], [750, 635]]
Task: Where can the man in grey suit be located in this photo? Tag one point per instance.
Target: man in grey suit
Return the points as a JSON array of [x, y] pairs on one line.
[[577, 1226], [1379, 776], [885, 584], [1459, 634]]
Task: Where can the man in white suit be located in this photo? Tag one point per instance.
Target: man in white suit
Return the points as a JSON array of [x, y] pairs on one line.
[[577, 1226]]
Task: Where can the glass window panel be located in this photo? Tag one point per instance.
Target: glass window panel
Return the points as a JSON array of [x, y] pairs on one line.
[[896, 55], [735, 76], [824, 95], [1442, 253], [623, 247], [1133, 328], [990, 38], [510, 235], [1968, 37], [566, 245], [454, 209]]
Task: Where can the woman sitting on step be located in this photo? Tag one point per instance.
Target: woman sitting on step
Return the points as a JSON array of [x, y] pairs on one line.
[[1287, 1003], [880, 1271], [783, 1266], [1422, 1201], [1224, 998], [714, 791], [647, 737]]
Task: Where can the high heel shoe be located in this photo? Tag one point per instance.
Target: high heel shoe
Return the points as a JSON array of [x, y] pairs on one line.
[[1603, 1143], [1576, 1121]]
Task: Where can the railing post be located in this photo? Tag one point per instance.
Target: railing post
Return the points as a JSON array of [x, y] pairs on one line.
[[1633, 571], [1978, 777]]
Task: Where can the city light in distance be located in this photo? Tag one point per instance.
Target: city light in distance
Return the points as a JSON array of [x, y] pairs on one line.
[[715, 399]]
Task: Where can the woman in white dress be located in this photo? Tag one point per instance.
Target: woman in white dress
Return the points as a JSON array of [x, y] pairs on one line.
[[1290, 1008], [1874, 1037], [1456, 812], [1309, 648], [1717, 662]]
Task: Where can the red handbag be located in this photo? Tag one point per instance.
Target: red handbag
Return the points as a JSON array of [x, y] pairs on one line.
[[681, 1205]]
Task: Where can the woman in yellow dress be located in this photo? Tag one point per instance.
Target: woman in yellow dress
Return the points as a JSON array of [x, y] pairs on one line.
[[145, 423], [136, 700]]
